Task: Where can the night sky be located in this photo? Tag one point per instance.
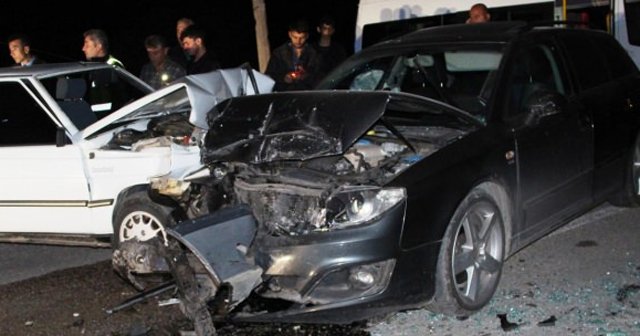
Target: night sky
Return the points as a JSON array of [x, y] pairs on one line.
[[56, 32]]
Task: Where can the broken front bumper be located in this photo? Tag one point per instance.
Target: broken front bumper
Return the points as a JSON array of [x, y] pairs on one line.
[[328, 277]]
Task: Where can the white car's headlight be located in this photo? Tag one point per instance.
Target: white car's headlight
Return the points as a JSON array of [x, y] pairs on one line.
[[358, 205]]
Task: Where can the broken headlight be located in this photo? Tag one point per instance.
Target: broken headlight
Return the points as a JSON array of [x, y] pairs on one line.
[[355, 206]]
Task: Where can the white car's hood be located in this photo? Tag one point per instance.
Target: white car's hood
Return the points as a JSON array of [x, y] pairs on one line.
[[198, 93]]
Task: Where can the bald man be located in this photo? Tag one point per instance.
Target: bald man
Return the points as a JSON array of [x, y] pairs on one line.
[[479, 13]]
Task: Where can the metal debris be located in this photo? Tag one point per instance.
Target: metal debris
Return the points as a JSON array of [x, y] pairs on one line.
[[550, 322], [624, 292], [505, 324], [587, 243]]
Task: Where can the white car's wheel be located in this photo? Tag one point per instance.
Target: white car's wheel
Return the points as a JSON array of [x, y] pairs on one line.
[[141, 226], [140, 218]]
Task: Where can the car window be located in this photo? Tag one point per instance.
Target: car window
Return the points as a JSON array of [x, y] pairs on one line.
[[360, 75], [22, 120], [618, 61], [104, 90], [534, 69], [586, 59]]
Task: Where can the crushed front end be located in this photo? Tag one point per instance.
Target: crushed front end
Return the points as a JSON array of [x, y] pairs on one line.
[[321, 216]]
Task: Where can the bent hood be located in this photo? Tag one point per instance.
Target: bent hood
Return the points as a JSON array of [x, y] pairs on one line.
[[195, 94], [299, 125]]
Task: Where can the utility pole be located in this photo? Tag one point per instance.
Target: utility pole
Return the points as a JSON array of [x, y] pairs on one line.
[[262, 34]]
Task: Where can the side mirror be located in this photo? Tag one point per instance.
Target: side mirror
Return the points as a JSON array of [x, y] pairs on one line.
[[542, 103]]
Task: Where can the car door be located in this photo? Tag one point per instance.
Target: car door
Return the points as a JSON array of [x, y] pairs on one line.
[[553, 146], [44, 188], [608, 87]]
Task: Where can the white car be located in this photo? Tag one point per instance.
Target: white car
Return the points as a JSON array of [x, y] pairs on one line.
[[79, 143]]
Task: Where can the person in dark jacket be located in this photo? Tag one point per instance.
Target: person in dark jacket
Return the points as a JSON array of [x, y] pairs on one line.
[[194, 43], [20, 50], [96, 48], [294, 65], [330, 52]]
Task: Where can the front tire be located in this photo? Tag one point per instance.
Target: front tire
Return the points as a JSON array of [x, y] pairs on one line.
[[140, 218], [471, 256]]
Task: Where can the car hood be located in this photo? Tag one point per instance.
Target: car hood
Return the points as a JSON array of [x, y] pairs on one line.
[[195, 94], [299, 125]]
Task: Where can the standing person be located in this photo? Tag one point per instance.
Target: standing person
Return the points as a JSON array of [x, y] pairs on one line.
[[20, 50], [479, 13], [194, 43], [160, 70], [330, 52], [96, 48], [293, 65], [177, 53]]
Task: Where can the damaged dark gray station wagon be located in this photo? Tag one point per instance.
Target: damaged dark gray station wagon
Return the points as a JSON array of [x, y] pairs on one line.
[[465, 144]]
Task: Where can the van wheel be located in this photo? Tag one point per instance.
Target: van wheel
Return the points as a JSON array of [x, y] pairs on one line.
[[471, 256]]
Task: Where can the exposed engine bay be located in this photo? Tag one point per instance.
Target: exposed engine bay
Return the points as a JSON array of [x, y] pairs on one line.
[[293, 198], [175, 128]]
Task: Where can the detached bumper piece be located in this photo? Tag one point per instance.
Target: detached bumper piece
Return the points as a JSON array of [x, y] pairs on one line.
[[207, 259]]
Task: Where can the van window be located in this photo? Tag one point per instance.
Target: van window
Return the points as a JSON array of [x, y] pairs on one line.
[[632, 16]]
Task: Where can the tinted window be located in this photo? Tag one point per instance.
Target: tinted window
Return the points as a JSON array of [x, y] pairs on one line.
[[587, 62], [534, 70], [632, 16], [22, 120], [618, 61]]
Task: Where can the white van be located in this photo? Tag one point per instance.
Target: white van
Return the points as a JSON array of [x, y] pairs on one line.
[[382, 19]]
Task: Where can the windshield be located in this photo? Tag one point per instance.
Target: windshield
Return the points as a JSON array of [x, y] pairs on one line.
[[462, 78], [90, 95], [175, 102]]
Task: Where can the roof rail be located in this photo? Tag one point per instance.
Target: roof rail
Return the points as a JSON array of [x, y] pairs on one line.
[[560, 23]]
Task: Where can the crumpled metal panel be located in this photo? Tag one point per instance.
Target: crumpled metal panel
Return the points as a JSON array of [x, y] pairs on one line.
[[219, 241]]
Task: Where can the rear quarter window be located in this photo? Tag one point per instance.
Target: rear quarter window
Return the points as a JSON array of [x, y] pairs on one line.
[[585, 59], [616, 58]]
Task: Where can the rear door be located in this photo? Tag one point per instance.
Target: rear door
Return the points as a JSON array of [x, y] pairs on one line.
[[608, 89], [553, 150]]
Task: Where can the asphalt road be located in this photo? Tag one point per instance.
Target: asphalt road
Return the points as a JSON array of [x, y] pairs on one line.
[[24, 261], [583, 279]]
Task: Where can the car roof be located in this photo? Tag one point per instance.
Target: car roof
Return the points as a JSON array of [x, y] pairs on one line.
[[496, 32], [50, 69]]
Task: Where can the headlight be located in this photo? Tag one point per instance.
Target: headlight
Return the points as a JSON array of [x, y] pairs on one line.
[[166, 185], [358, 205]]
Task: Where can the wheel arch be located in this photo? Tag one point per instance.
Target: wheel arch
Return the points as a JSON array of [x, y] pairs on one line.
[[167, 202], [498, 189]]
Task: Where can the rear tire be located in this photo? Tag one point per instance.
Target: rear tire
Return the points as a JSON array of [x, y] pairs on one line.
[[629, 196], [471, 256]]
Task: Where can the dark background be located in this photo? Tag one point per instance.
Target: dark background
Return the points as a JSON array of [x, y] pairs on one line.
[[56, 28]]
